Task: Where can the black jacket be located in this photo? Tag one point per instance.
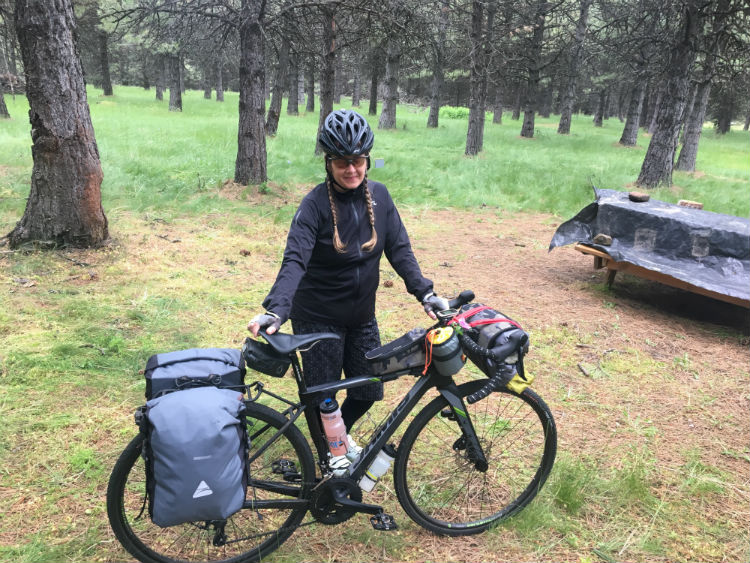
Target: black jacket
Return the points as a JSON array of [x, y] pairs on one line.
[[316, 283]]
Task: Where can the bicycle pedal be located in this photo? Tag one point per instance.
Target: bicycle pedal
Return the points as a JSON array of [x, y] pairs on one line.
[[448, 413], [383, 522]]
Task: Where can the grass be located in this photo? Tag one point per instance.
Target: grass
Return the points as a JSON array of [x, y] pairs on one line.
[[192, 256], [164, 163]]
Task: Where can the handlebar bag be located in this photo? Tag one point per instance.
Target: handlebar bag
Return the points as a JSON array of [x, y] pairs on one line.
[[196, 455], [491, 329], [218, 367]]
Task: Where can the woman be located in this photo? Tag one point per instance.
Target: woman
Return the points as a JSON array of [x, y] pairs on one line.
[[330, 271]]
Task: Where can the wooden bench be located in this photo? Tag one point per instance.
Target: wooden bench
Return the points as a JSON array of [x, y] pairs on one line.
[[602, 260]]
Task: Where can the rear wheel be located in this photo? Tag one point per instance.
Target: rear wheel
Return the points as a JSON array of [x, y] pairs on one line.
[[441, 489], [282, 474]]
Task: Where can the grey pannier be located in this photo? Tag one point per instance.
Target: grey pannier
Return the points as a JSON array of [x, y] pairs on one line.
[[195, 455]]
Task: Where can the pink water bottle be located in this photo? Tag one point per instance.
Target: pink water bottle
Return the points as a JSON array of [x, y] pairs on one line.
[[333, 427]]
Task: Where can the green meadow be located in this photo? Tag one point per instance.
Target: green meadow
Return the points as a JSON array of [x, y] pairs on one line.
[[653, 452]]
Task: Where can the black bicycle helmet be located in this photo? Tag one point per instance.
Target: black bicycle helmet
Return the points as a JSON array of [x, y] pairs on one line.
[[346, 133]]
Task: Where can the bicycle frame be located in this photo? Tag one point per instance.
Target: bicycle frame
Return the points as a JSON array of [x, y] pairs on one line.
[[310, 399]]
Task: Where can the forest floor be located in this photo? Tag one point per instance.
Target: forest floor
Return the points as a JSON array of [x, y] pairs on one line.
[[648, 385]]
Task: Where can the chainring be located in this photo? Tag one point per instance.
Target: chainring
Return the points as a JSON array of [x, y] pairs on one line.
[[323, 505]]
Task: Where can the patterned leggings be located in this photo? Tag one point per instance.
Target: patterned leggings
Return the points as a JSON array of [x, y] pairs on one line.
[[324, 362]]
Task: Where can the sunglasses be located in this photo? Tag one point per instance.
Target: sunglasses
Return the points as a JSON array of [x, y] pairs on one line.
[[342, 163]]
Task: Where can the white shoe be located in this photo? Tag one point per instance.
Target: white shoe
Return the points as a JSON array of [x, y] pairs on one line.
[[339, 464]]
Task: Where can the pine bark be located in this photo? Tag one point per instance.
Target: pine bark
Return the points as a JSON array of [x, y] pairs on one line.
[[532, 92], [478, 95], [600, 108], [219, 78], [438, 72], [374, 82], [390, 97], [277, 91], [497, 108], [693, 129], [746, 126], [250, 165], [292, 104], [3, 108], [659, 161], [327, 75], [576, 56], [64, 207], [356, 87], [629, 135], [175, 90], [104, 63], [310, 85], [161, 79]]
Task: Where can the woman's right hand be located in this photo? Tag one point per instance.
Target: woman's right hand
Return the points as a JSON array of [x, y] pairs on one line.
[[269, 321]]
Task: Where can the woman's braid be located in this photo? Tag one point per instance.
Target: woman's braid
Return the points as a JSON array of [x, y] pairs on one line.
[[370, 244], [337, 244]]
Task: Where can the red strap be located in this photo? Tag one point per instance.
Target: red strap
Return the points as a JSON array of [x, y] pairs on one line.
[[471, 312]]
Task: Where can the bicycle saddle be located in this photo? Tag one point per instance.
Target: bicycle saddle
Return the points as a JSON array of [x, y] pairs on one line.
[[287, 343]]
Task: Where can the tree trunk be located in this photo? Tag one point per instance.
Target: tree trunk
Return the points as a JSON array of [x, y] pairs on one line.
[[277, 91], [64, 207], [173, 73], [497, 109], [250, 166], [310, 85], [725, 111], [327, 74], [356, 88], [478, 97], [338, 81], [206, 82], [630, 132], [373, 108], [161, 79], [104, 63], [599, 115], [694, 128], [659, 161], [532, 92], [576, 56], [3, 108], [517, 103], [292, 104], [220, 78], [390, 97], [546, 103], [655, 109], [438, 72], [747, 122]]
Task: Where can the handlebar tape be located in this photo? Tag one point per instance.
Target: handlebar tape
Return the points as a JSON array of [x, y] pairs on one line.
[[515, 343]]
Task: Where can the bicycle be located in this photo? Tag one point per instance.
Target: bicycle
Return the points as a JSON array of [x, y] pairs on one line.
[[461, 467]]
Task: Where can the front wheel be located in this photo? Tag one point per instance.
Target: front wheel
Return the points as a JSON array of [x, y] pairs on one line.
[[283, 474], [441, 489]]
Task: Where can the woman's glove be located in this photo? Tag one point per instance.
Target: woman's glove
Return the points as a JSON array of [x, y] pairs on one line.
[[433, 304], [268, 320]]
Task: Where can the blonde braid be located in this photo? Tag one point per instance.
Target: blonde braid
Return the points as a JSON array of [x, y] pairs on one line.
[[370, 244], [337, 244]]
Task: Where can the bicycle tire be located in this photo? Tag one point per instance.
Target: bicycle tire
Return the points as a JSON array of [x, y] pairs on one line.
[[251, 533], [442, 491]]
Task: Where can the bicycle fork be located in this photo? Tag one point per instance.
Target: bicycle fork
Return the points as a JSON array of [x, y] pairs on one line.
[[468, 440]]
